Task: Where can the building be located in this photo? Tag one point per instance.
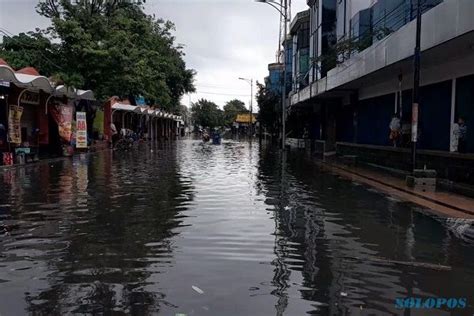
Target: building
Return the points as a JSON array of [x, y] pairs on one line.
[[273, 82], [361, 27], [36, 115], [353, 100], [299, 31]]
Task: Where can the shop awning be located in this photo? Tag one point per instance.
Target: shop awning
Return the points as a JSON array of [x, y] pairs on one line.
[[145, 111], [23, 80], [73, 93], [125, 107]]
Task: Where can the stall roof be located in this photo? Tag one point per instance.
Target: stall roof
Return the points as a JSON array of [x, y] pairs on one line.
[[74, 93], [25, 80], [29, 78], [142, 110], [126, 107]]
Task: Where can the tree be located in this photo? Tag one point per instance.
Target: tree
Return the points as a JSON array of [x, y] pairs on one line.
[[269, 108], [113, 48], [231, 109], [30, 49], [206, 114]]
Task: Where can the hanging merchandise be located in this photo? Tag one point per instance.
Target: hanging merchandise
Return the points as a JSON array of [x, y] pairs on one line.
[[7, 159], [14, 121], [81, 130], [62, 114]]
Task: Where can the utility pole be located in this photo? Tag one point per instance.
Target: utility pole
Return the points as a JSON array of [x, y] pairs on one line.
[[283, 92], [250, 82], [416, 86], [251, 110], [284, 8]]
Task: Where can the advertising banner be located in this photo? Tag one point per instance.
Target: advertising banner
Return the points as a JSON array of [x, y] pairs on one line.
[[62, 115], [81, 130], [14, 121]]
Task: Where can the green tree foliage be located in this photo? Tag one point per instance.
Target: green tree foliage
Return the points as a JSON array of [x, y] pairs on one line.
[[231, 109], [269, 108], [27, 49], [206, 113], [111, 47]]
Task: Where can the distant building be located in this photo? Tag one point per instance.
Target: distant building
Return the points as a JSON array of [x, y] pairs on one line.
[[244, 119]]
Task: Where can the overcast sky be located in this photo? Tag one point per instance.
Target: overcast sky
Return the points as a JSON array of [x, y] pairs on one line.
[[223, 39]]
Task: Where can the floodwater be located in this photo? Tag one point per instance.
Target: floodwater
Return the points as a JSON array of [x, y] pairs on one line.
[[196, 229]]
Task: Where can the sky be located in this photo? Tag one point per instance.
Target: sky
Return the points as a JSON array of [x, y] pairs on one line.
[[223, 39]]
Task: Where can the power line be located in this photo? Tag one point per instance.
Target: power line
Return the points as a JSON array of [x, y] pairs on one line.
[[219, 87], [6, 33], [226, 94]]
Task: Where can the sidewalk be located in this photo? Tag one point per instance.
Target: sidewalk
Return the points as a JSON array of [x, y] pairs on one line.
[[92, 150], [441, 203]]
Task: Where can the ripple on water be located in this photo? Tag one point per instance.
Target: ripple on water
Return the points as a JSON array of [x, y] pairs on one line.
[[134, 232]]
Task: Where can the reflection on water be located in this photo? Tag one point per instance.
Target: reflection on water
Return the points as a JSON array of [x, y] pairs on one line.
[[134, 232]]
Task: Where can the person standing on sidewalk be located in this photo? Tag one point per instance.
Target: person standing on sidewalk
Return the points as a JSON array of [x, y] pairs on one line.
[[395, 127], [462, 135]]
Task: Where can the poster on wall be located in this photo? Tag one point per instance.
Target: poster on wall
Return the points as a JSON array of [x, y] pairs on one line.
[[81, 130], [62, 115], [14, 121]]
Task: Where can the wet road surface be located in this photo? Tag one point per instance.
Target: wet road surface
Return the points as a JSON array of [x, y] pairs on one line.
[[199, 229]]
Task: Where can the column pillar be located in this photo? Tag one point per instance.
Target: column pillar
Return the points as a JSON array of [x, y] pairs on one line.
[[452, 118]]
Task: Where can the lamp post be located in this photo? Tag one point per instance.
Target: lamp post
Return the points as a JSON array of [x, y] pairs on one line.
[[282, 8], [416, 86], [250, 81]]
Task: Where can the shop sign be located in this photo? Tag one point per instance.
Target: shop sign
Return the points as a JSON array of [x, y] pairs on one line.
[[62, 115], [30, 98], [14, 127], [81, 130]]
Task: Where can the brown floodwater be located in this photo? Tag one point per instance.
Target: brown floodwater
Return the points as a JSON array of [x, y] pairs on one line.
[[192, 228]]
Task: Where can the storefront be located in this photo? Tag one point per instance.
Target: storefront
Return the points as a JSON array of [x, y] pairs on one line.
[[4, 92], [38, 119]]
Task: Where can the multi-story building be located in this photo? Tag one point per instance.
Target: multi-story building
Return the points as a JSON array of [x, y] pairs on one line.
[[352, 99], [299, 31], [273, 82]]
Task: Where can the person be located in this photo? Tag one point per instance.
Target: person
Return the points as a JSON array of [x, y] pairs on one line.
[[114, 133], [462, 135], [305, 133], [395, 128]]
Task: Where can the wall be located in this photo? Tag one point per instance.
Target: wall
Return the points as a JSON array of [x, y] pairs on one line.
[[465, 106], [434, 116], [373, 119], [374, 115]]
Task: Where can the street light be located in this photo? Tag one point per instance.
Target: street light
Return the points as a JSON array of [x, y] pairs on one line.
[[282, 8], [250, 81]]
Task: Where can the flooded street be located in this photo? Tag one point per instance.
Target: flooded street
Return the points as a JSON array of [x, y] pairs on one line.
[[198, 229]]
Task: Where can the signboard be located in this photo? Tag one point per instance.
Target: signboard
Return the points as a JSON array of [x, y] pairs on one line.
[[81, 130], [414, 123], [14, 127], [62, 115], [30, 98]]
